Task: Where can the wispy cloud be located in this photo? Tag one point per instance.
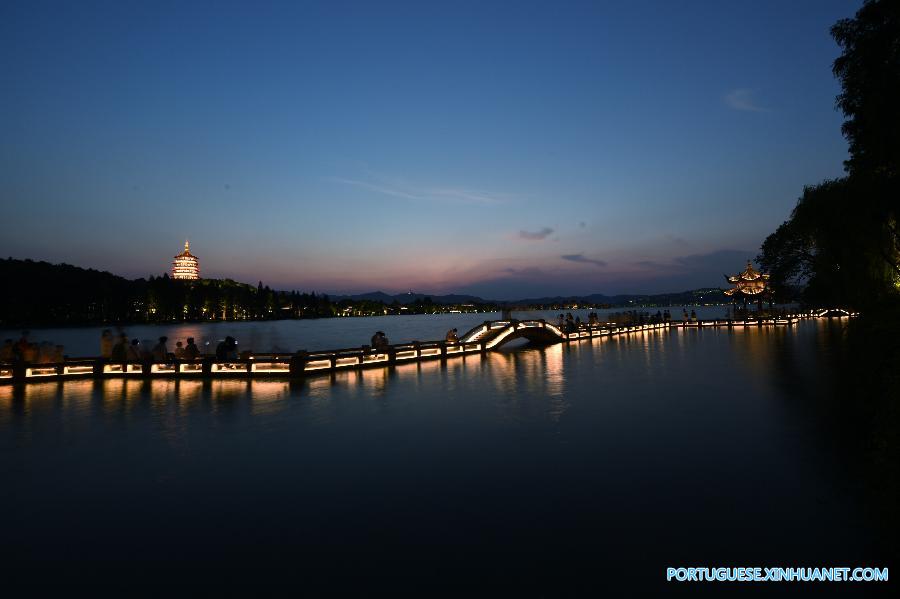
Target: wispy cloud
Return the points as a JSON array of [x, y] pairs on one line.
[[743, 99], [528, 271], [581, 258], [407, 191], [536, 235]]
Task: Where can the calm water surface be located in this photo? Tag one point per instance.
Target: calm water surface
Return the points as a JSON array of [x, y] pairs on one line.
[[311, 335], [534, 471]]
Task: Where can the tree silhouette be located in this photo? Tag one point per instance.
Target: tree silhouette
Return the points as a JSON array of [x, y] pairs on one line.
[[841, 242], [869, 72]]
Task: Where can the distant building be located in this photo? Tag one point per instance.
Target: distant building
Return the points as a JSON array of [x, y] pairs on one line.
[[749, 284], [186, 265]]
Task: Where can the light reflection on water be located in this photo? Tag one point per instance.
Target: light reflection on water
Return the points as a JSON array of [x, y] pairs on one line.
[[507, 376], [649, 441]]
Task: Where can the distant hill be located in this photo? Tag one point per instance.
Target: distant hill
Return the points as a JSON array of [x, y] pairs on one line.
[[705, 295], [409, 298]]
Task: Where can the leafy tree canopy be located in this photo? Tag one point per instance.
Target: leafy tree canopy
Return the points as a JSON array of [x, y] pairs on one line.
[[841, 243]]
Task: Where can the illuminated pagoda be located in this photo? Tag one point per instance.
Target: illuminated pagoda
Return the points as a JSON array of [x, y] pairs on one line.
[[186, 265], [750, 284]]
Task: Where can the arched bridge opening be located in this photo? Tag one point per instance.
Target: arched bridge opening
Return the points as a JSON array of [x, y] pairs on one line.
[[498, 333]]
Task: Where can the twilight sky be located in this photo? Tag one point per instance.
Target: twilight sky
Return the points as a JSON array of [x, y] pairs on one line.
[[504, 149]]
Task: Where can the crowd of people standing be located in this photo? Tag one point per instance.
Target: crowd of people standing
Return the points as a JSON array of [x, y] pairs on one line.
[[118, 348], [25, 350], [569, 324], [115, 348]]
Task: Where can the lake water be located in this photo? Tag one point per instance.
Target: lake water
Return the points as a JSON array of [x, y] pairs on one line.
[[311, 335], [568, 469]]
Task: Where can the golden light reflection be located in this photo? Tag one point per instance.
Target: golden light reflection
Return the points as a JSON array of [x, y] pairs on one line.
[[555, 381], [7, 409], [188, 393], [320, 386], [374, 380], [224, 392], [529, 380], [426, 373], [76, 395], [161, 391], [166, 399], [121, 396], [501, 371], [756, 347], [269, 398], [649, 345], [515, 376]]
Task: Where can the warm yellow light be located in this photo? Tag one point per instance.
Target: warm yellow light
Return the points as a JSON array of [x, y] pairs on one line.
[[186, 266]]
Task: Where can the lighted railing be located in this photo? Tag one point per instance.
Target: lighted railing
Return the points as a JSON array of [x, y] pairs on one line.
[[228, 368], [273, 367], [487, 336], [375, 358], [41, 371], [474, 334], [318, 365], [78, 369]]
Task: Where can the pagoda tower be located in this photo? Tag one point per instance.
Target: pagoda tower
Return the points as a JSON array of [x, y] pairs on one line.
[[749, 284], [186, 265]]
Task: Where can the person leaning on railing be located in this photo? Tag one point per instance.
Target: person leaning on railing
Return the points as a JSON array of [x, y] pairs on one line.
[[227, 349], [379, 341], [119, 351], [106, 344], [160, 352], [133, 353], [191, 351]]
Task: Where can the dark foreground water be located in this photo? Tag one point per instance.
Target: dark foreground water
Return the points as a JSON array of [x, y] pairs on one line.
[[537, 471]]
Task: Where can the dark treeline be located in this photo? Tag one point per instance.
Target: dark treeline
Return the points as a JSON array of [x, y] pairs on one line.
[[46, 293], [40, 293], [841, 246]]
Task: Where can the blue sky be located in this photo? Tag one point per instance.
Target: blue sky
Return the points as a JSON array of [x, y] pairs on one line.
[[504, 149]]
